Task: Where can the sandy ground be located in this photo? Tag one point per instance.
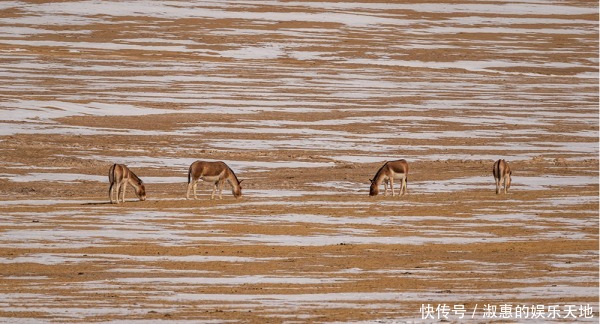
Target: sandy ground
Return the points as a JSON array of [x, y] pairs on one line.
[[305, 101]]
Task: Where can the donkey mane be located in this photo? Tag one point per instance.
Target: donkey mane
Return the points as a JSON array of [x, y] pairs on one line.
[[234, 176], [377, 174], [135, 177]]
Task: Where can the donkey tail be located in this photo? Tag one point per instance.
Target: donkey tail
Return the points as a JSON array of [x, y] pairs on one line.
[[190, 173], [111, 173]]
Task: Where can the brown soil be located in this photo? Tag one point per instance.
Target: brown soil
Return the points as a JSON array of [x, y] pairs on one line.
[[305, 243]]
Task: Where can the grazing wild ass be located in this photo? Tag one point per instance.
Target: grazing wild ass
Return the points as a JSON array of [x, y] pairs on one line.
[[502, 175], [119, 176], [388, 172], [215, 172]]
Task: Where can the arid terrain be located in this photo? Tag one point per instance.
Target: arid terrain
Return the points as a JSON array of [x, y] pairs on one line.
[[304, 101]]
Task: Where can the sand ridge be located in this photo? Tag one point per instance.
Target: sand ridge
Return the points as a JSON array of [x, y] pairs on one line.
[[305, 101]]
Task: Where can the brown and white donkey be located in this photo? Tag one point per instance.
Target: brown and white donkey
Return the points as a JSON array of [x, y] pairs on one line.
[[215, 172], [388, 172], [119, 176], [502, 175]]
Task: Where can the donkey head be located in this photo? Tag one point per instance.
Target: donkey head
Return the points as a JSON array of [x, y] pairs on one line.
[[140, 191], [374, 189], [237, 190]]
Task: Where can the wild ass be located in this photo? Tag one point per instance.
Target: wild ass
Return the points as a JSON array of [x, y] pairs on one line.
[[215, 172], [502, 175], [388, 172], [119, 176]]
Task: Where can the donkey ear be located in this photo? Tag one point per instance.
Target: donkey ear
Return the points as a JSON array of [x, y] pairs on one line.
[[241, 181]]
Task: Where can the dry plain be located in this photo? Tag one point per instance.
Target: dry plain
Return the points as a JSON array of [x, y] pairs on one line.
[[305, 101]]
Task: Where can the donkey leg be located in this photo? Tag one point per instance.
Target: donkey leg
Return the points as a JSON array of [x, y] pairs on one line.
[[124, 189], [212, 195], [402, 186], [497, 186], [118, 190], [110, 192], [392, 186], [221, 189], [385, 185], [195, 190], [191, 185], [115, 193]]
